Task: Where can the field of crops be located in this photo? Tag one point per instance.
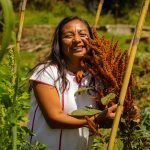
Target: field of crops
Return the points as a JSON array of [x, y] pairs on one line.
[[21, 50]]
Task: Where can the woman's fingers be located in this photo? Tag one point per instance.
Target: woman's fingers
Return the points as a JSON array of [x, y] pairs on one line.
[[113, 108], [108, 113], [111, 112], [111, 116]]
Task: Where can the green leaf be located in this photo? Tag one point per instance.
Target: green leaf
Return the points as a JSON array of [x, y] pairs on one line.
[[122, 120], [8, 25], [105, 100], [86, 111], [118, 145]]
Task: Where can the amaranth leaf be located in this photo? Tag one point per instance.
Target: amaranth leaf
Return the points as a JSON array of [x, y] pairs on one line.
[[105, 100], [86, 111]]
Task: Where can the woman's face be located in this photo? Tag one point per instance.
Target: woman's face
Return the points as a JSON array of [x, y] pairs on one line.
[[74, 33]]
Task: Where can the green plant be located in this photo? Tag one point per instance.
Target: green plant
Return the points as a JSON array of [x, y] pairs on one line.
[[13, 98], [8, 25], [12, 111]]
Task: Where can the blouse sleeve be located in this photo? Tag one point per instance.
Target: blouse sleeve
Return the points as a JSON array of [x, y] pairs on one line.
[[44, 75]]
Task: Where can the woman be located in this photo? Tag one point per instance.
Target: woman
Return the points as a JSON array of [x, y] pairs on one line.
[[54, 84]]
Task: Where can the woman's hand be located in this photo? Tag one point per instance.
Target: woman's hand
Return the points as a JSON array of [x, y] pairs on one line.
[[105, 118], [111, 112]]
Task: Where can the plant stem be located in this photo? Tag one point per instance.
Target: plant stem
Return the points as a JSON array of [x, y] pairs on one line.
[[8, 25], [17, 67], [14, 131], [128, 73]]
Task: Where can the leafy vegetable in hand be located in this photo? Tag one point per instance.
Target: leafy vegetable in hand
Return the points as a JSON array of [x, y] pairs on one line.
[[86, 111]]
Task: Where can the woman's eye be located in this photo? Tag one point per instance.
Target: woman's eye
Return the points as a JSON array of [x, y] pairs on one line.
[[83, 35], [68, 36]]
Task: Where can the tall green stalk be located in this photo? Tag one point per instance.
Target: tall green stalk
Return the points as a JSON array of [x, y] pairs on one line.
[[8, 16], [15, 85], [17, 65]]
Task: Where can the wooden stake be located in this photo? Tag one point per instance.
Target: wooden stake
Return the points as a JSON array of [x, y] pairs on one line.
[[22, 12], [98, 12], [128, 73]]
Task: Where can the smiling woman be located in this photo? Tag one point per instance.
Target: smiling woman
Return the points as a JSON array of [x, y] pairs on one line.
[[54, 85]]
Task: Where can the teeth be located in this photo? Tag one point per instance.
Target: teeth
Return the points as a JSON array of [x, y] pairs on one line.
[[78, 47]]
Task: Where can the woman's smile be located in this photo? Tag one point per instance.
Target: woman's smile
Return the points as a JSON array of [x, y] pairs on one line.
[[78, 48]]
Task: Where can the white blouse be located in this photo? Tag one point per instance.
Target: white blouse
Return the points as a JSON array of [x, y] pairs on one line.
[[59, 139]]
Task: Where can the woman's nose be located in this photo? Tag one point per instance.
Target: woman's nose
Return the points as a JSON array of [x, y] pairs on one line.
[[77, 39]]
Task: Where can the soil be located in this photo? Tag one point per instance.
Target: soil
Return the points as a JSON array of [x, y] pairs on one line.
[[37, 37]]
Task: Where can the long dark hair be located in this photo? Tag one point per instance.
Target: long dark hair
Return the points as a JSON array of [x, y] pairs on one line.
[[57, 57]]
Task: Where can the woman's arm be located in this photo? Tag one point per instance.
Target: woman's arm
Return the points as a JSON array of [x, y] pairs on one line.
[[48, 100]]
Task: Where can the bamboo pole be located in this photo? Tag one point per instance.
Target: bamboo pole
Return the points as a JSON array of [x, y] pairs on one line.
[[98, 12], [18, 39], [131, 43], [22, 10], [128, 73]]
